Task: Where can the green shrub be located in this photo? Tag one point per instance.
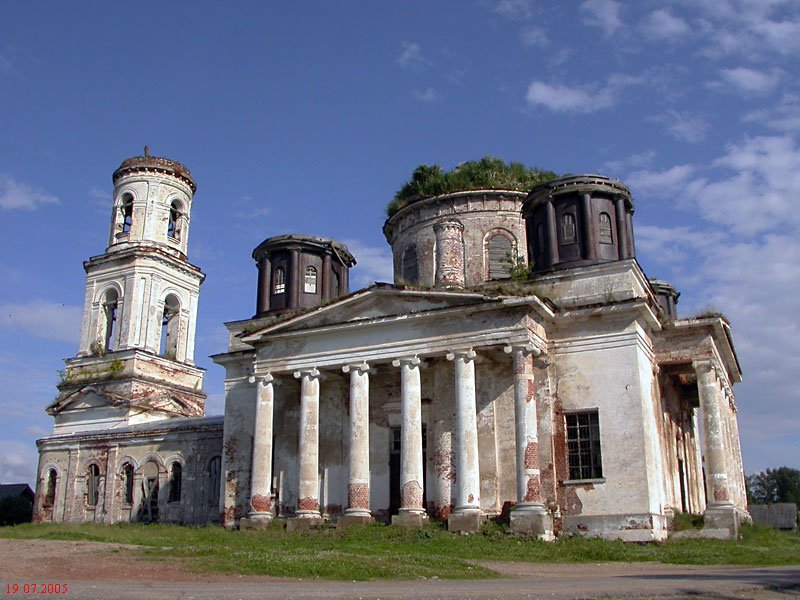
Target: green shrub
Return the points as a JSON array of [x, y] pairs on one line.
[[487, 173]]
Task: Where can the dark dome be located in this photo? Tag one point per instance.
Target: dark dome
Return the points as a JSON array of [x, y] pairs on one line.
[[157, 164]]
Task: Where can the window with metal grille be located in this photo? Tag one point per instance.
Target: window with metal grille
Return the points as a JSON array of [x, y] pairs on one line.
[[279, 281], [583, 445], [409, 267], [606, 236], [500, 255], [310, 286], [567, 228]]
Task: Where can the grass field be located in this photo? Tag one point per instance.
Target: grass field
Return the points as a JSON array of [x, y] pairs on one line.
[[386, 552]]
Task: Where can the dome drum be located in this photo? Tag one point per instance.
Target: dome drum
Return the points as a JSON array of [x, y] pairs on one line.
[[300, 271], [577, 221]]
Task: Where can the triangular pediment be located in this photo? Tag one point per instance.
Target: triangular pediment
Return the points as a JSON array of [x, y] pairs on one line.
[[84, 398], [377, 302]]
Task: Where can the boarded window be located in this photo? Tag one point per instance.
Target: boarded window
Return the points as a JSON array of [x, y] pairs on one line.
[[214, 474], [583, 445], [410, 271], [567, 228], [310, 285], [92, 485], [279, 281], [606, 236], [500, 255], [175, 482]]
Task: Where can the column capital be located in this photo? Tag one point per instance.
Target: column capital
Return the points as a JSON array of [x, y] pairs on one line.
[[361, 367], [407, 360], [527, 349], [264, 379], [704, 366], [468, 354], [312, 373]]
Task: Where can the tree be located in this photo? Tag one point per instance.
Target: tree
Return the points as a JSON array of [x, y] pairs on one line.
[[15, 510], [774, 485]]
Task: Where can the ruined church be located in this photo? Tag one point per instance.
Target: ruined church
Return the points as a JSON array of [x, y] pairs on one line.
[[574, 402]]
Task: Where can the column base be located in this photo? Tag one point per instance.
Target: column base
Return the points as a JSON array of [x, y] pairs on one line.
[[466, 522], [720, 519], [304, 523], [537, 523], [255, 521], [410, 520], [346, 521]]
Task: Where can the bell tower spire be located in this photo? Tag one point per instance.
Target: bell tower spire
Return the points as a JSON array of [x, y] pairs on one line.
[[136, 352]]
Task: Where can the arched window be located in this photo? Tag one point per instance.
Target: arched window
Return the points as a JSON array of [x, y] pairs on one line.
[[214, 478], [127, 483], [499, 255], [409, 267], [110, 303], [606, 237], [310, 284], [50, 487], [92, 485], [126, 213], [170, 324], [175, 477], [567, 228], [174, 224], [279, 281]]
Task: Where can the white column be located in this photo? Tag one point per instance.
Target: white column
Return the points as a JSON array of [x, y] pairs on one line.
[[358, 484], [261, 470], [529, 495], [411, 467], [468, 485], [308, 451], [717, 492]]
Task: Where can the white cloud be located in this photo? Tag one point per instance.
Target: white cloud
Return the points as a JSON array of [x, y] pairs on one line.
[[603, 14], [514, 9], [663, 25], [582, 99], [561, 98], [411, 55], [47, 320], [18, 463], [372, 264], [15, 195], [429, 95], [749, 81], [785, 116], [534, 37], [741, 255], [683, 126]]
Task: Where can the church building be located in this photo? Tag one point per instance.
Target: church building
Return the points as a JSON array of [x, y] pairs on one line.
[[566, 399]]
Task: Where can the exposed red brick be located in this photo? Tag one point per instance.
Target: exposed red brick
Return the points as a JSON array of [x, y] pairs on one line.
[[531, 456], [444, 464], [260, 503], [534, 491], [358, 495], [444, 511], [308, 504], [720, 493], [411, 495]]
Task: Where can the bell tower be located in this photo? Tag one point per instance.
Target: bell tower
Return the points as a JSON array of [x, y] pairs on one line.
[[135, 361]]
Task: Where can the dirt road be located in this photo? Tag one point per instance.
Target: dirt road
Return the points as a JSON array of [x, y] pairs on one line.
[[89, 570]]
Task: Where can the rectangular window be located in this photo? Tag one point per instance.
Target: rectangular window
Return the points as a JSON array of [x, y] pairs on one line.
[[583, 445]]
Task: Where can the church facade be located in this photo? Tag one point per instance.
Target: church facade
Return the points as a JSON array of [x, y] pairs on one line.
[[573, 401]]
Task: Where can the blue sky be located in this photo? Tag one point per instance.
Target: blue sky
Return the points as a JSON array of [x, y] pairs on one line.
[[306, 118]]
